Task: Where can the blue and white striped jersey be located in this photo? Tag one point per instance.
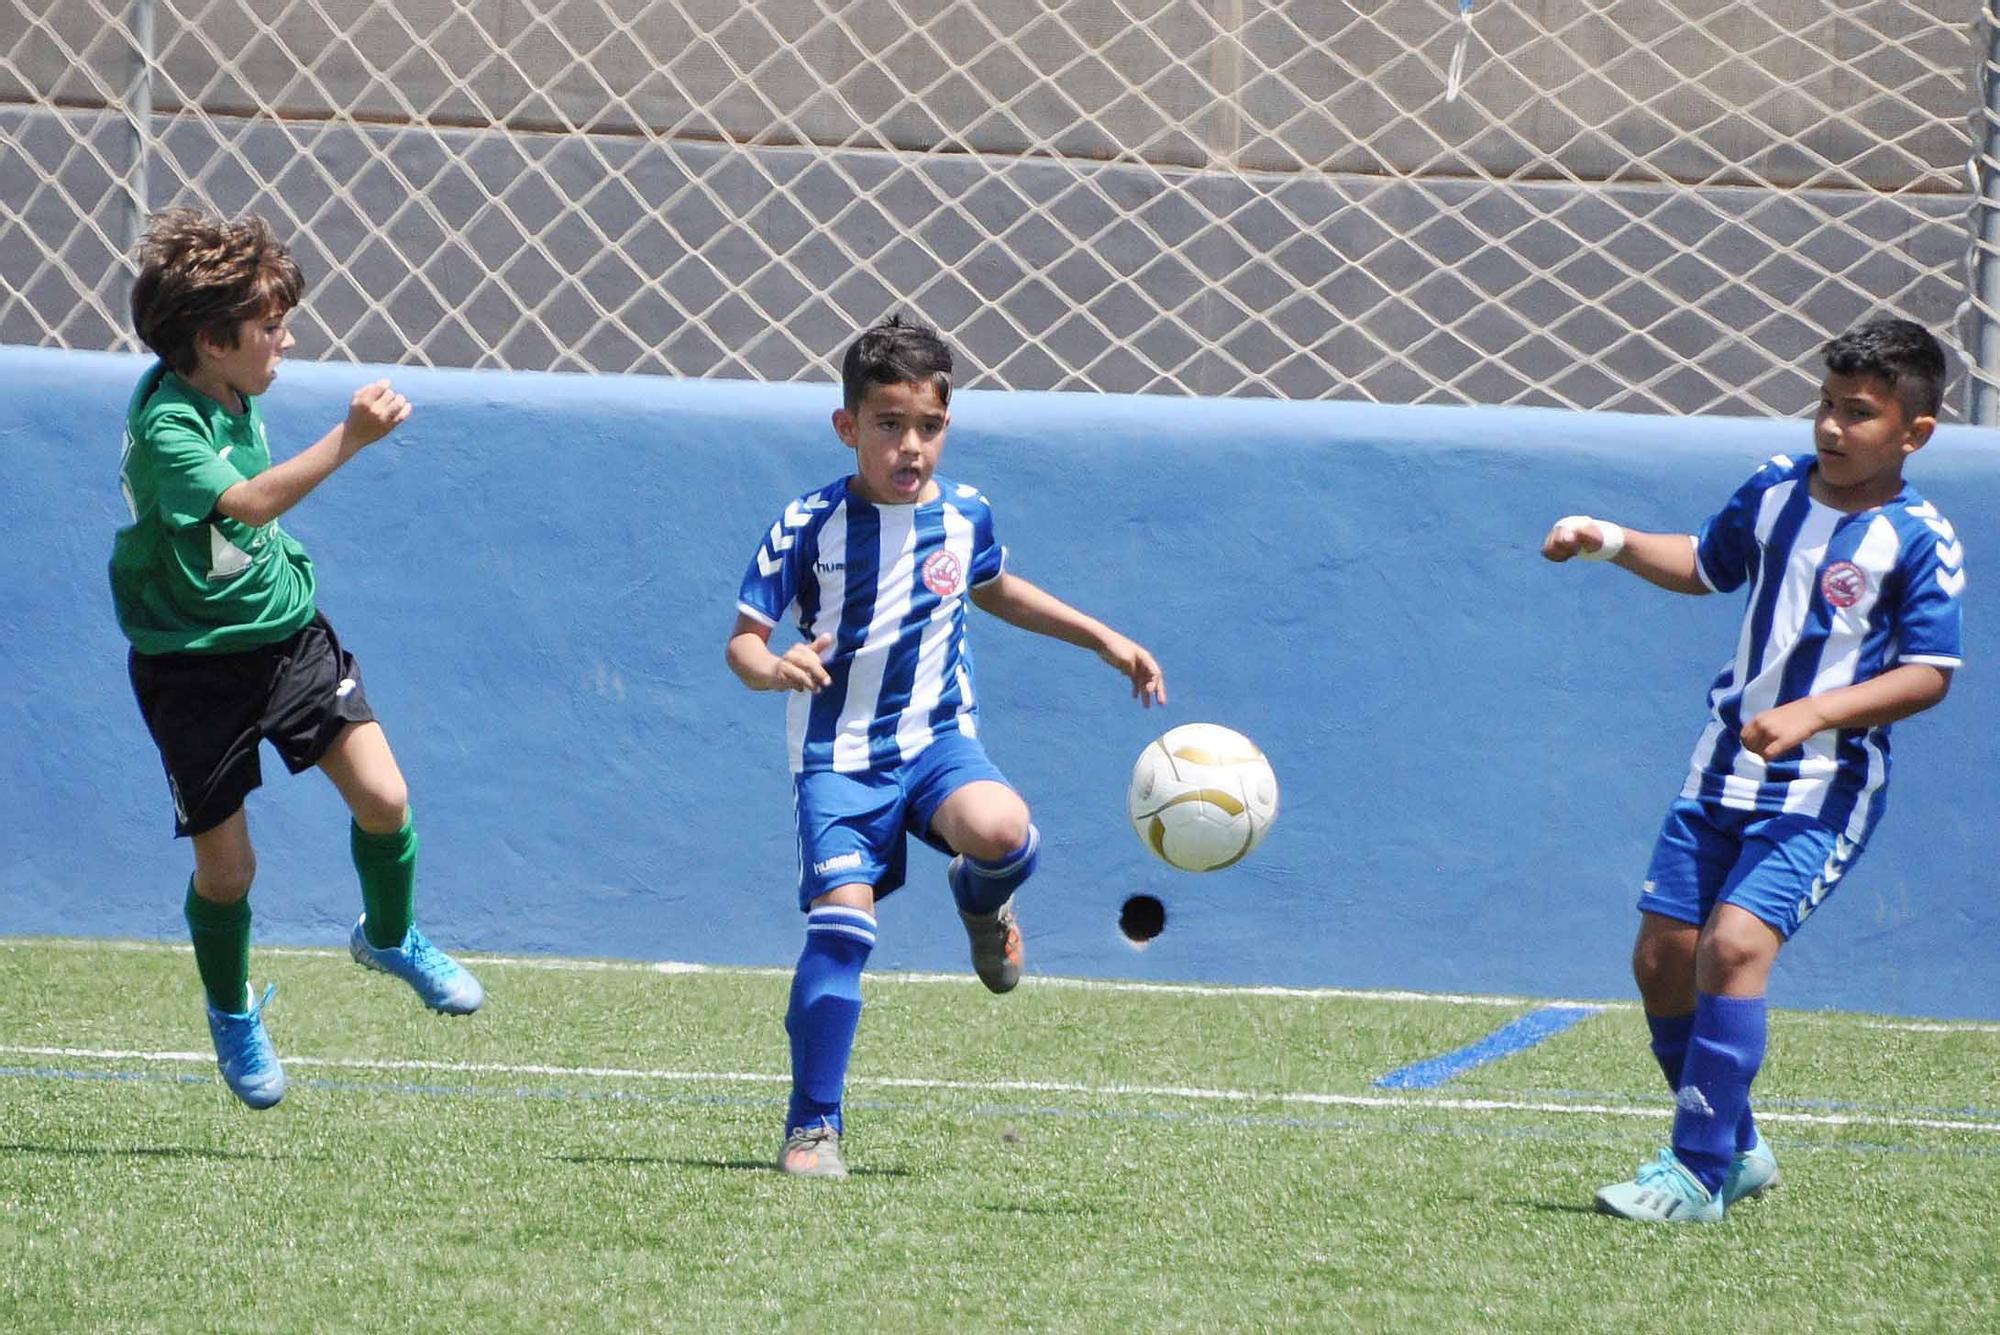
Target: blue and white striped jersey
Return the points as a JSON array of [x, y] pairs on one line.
[[1835, 598], [889, 582]]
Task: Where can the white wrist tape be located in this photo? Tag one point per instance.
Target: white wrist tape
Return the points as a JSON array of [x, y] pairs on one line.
[[1612, 535]]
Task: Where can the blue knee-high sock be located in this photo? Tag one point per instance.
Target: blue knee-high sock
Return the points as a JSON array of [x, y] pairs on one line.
[[825, 1011], [981, 887], [1670, 1044], [1713, 1104]]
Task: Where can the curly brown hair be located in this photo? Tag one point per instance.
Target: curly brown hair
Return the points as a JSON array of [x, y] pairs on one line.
[[201, 274]]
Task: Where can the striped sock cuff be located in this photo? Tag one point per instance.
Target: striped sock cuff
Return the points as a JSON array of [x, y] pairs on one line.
[[1008, 865], [855, 924]]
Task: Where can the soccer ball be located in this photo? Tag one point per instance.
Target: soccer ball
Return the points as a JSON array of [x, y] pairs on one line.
[[1202, 797]]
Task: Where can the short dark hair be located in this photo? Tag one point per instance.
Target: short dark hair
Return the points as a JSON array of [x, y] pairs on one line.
[[1901, 352], [200, 274], [895, 351]]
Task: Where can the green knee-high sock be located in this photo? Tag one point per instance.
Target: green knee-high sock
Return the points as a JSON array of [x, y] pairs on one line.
[[221, 934], [387, 864]]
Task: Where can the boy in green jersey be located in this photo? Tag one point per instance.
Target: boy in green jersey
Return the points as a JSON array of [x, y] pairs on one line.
[[228, 648]]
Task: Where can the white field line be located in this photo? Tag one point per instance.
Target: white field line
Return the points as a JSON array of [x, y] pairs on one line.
[[563, 965], [1296, 1098], [559, 964]]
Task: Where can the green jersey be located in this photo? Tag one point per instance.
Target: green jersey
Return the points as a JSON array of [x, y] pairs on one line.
[[185, 579]]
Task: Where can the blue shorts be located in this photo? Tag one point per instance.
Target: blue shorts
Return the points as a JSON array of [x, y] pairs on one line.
[[1778, 866], [852, 826]]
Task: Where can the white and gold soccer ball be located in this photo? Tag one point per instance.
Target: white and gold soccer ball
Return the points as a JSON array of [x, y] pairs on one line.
[[1202, 797]]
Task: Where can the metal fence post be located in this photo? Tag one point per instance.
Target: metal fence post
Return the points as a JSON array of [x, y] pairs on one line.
[[1983, 377]]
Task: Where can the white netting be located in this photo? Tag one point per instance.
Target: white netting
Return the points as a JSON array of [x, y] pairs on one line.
[[1644, 204]]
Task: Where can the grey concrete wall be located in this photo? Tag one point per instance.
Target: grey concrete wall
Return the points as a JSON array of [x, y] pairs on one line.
[[1379, 258], [1279, 87]]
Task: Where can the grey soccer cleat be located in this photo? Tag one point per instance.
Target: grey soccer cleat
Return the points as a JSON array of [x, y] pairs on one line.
[[996, 946], [812, 1151]]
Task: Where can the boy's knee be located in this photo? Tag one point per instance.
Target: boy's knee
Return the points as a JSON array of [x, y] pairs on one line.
[[1724, 954], [996, 837], [225, 880], [1663, 965], [383, 810]]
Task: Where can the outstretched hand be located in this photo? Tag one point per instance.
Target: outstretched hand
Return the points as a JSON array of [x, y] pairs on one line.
[[373, 412], [799, 667], [1149, 683]]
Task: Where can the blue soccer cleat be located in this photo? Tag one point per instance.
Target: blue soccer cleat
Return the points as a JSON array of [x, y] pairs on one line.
[[1664, 1192], [1751, 1173], [243, 1053], [441, 981]]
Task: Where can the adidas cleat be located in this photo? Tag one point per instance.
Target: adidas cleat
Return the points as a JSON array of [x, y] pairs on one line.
[[1664, 1192], [1751, 1173]]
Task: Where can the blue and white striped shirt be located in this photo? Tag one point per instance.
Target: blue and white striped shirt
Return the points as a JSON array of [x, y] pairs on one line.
[[1835, 598], [890, 583]]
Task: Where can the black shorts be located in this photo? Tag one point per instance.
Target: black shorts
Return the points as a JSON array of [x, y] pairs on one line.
[[207, 712]]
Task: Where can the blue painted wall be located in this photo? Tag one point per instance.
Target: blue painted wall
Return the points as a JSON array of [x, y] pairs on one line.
[[538, 574]]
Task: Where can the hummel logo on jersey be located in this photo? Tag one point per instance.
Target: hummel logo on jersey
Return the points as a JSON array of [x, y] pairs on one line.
[[1691, 1099], [1950, 551], [829, 567], [770, 557], [1835, 867], [843, 862]]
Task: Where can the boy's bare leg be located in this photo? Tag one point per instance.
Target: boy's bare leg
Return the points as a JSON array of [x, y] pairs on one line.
[[364, 769], [224, 862], [384, 845]]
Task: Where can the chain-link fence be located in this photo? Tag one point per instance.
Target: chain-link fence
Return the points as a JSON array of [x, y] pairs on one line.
[[1657, 205]]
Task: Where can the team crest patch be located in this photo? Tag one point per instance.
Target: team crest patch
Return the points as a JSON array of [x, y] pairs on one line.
[[942, 575], [1842, 584]]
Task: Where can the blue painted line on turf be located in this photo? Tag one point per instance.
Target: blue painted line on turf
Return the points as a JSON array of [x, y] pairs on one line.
[[1515, 1036]]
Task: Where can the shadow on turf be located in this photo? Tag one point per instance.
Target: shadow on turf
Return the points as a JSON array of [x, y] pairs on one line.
[[1550, 1207], [146, 1152], [1037, 1209], [754, 1165]]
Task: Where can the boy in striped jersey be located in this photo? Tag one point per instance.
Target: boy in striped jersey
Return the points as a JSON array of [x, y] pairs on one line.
[[883, 729], [1852, 623]]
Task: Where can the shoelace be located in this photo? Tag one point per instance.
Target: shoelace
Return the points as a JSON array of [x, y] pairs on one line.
[[257, 1056], [812, 1137], [1657, 1172], [426, 957]]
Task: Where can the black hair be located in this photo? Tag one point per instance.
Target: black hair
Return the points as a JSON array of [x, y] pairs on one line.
[[1900, 352], [895, 351]]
